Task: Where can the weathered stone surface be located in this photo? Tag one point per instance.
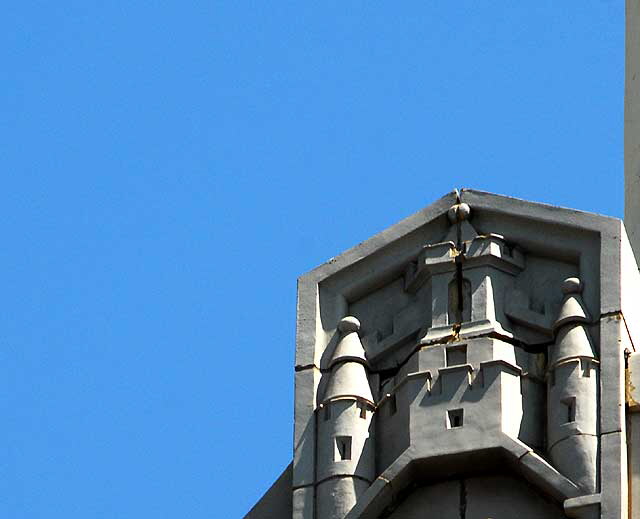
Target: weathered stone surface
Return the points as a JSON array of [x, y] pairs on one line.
[[469, 360], [440, 500], [506, 497]]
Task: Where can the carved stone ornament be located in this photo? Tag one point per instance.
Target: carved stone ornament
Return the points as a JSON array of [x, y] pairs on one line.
[[467, 362]]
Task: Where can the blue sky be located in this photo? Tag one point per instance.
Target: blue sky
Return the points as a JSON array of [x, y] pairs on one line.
[[170, 168]]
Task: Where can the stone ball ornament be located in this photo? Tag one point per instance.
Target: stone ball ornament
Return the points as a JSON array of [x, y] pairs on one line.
[[459, 212]]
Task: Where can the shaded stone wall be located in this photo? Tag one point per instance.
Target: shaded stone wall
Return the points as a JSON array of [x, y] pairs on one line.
[[494, 497]]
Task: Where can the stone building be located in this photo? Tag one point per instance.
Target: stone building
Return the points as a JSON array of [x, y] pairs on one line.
[[474, 361], [469, 362]]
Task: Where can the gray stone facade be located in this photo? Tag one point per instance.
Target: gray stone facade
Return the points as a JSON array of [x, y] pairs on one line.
[[471, 361], [632, 125]]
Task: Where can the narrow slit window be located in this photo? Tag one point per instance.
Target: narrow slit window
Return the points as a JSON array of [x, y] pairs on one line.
[[585, 364], [570, 409], [455, 418], [327, 412], [343, 448], [363, 411]]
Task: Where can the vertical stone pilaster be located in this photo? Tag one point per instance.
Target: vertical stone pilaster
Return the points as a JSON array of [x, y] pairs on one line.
[[632, 126]]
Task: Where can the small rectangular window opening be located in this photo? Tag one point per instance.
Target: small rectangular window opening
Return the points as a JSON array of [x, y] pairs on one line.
[[327, 412], [363, 411], [343, 448], [570, 409], [454, 418], [456, 355], [585, 364]]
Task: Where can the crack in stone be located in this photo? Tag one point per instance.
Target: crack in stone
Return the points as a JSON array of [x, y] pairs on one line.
[[463, 499]]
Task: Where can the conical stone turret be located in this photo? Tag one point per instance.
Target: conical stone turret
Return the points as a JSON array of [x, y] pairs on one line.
[[572, 374], [346, 458]]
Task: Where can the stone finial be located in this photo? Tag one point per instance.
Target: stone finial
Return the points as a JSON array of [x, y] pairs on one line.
[[573, 309], [572, 286], [461, 229], [349, 324], [348, 364], [572, 337], [349, 348], [459, 212]]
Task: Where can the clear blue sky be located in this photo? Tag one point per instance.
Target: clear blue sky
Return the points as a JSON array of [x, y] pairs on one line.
[[170, 168]]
